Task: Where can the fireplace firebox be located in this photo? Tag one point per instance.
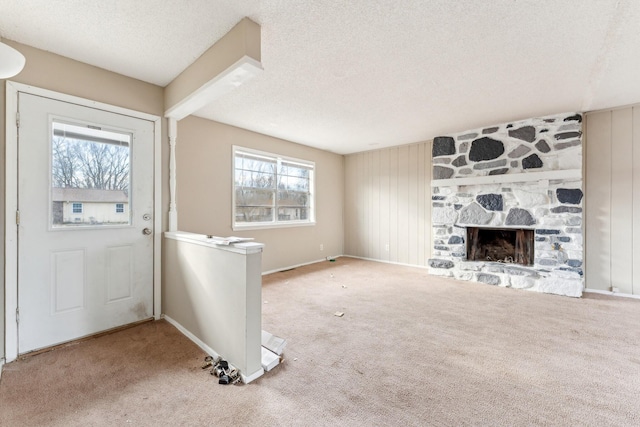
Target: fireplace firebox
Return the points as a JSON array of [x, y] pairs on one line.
[[500, 245]]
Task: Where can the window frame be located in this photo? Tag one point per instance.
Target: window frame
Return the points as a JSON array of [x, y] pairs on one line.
[[77, 130], [121, 206], [275, 223], [73, 207]]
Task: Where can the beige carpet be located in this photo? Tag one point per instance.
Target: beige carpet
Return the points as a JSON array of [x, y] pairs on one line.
[[411, 349]]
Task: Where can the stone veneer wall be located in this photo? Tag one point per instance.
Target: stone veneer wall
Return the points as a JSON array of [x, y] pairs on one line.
[[524, 174]]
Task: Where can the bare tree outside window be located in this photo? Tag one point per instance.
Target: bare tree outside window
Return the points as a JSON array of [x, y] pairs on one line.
[[293, 192], [270, 189], [89, 167], [87, 164], [255, 184]]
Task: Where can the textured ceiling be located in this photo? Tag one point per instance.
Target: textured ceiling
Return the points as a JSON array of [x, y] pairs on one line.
[[151, 40], [364, 74]]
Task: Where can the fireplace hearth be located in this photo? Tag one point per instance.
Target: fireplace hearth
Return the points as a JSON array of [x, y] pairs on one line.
[[511, 246]]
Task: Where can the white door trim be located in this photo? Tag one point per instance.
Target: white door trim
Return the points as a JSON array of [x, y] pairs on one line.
[[11, 201]]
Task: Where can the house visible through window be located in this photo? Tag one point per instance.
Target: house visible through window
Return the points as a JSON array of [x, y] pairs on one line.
[[271, 190], [90, 168]]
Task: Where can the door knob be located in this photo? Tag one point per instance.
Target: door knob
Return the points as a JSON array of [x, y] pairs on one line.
[[146, 231]]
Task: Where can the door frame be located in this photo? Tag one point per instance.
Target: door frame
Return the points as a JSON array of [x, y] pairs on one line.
[[11, 200]]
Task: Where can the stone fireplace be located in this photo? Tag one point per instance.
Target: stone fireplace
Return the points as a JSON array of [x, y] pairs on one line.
[[507, 205]]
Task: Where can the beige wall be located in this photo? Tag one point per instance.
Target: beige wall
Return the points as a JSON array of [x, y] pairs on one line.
[[204, 189], [612, 198], [53, 72], [388, 204]]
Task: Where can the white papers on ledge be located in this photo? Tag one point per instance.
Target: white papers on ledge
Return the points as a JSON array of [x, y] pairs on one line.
[[226, 241]]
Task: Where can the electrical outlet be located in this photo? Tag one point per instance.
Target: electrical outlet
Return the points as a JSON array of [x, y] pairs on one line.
[[386, 247], [321, 247]]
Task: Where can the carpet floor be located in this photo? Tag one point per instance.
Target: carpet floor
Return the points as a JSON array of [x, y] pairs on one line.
[[411, 349]]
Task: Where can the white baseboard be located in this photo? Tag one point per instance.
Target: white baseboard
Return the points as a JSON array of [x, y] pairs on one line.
[[256, 375], [613, 294], [211, 352], [349, 256], [197, 341], [277, 270], [1, 365], [388, 262]]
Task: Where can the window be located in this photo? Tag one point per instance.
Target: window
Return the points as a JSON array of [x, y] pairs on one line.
[[271, 190], [91, 164]]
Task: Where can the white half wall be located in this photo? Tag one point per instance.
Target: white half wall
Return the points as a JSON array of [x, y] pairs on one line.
[[215, 294]]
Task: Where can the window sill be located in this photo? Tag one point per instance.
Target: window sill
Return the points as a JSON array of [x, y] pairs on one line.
[[237, 227]]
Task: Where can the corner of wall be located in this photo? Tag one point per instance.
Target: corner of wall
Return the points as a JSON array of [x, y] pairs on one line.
[[2, 219]]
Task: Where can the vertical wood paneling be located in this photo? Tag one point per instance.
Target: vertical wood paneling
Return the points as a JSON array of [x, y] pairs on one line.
[[412, 205], [403, 205], [350, 205], [427, 197], [598, 201], [636, 202], [363, 205], [612, 200], [358, 206], [389, 204], [375, 251], [621, 199], [421, 203], [347, 209], [369, 203], [393, 204], [384, 204]]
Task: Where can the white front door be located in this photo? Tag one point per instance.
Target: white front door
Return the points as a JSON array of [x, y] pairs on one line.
[[85, 201]]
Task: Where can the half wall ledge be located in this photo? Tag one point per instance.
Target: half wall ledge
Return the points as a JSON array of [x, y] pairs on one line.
[[214, 293]]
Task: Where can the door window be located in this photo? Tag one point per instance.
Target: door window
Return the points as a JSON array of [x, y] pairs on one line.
[[90, 171]]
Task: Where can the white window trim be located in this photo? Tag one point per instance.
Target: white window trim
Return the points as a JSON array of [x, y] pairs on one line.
[[117, 205], [73, 207], [275, 223]]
